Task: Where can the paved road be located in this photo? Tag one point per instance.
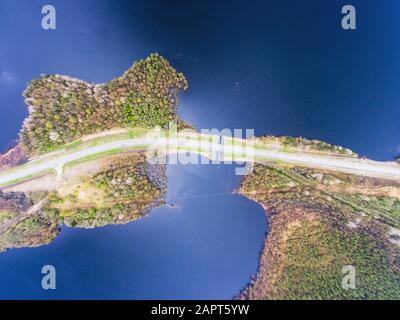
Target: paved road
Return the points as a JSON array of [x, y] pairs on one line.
[[56, 161]]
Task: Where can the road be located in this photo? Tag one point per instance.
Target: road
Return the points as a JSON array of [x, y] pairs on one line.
[[223, 147]]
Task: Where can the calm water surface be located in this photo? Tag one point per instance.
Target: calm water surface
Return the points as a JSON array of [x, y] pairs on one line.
[[268, 65]]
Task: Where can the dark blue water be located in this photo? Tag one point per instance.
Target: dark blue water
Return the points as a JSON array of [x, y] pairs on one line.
[[280, 67], [205, 247]]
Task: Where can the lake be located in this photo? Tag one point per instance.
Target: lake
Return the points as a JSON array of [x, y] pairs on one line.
[[279, 67]]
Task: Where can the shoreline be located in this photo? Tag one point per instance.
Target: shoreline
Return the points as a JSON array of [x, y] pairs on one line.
[[315, 229], [13, 157]]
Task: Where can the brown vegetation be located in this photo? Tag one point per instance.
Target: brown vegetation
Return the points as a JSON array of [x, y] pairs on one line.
[[13, 157], [314, 231]]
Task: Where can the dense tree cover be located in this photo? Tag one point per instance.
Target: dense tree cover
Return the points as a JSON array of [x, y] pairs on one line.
[[320, 222], [315, 254], [31, 232], [18, 230], [127, 179], [62, 109]]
